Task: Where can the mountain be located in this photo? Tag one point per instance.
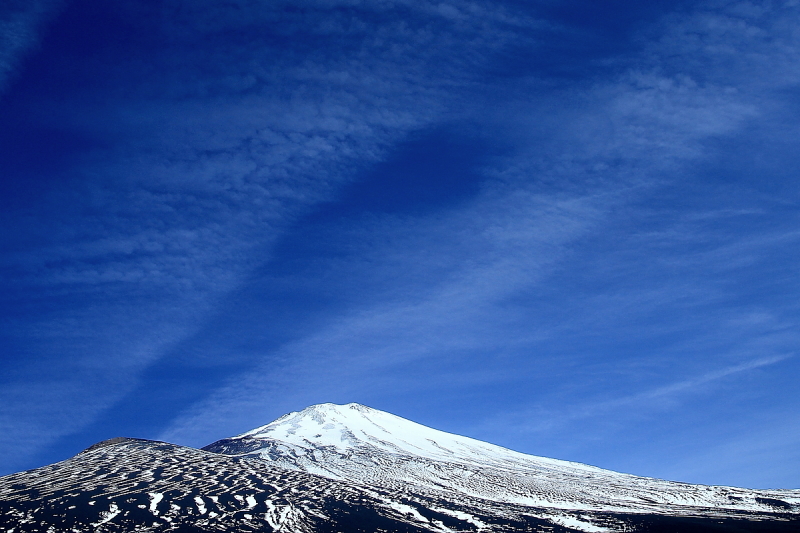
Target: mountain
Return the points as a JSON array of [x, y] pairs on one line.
[[332, 468], [356, 443]]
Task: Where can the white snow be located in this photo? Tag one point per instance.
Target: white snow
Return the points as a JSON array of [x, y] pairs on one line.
[[271, 515], [251, 501], [405, 510], [460, 515], [201, 505], [155, 497], [107, 516], [576, 523], [346, 426]]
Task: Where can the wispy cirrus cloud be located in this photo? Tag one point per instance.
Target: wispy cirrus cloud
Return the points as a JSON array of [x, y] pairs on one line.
[[594, 249], [21, 24], [664, 395], [600, 255]]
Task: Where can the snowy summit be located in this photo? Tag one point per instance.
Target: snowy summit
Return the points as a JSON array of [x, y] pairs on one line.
[[357, 443], [353, 425]]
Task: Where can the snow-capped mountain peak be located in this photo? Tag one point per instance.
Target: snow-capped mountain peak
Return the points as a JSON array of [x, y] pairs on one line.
[[345, 427], [357, 443]]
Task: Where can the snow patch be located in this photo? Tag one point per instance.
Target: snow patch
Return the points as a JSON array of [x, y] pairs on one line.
[[576, 523], [155, 498], [201, 505], [460, 515], [107, 516], [405, 510]]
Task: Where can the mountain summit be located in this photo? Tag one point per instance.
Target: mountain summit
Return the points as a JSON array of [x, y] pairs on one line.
[[355, 426], [357, 443]]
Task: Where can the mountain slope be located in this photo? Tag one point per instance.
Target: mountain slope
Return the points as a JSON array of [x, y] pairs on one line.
[[381, 474], [127, 485], [357, 443], [131, 484]]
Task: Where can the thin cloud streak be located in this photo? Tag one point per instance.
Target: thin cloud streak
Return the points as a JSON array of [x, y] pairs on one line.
[[20, 30], [669, 391]]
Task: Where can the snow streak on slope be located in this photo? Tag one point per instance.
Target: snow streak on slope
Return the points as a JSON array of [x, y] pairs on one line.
[[357, 443]]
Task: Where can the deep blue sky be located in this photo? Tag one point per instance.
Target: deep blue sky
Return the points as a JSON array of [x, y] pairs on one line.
[[566, 227]]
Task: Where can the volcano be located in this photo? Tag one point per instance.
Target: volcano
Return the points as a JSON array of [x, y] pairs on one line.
[[342, 468]]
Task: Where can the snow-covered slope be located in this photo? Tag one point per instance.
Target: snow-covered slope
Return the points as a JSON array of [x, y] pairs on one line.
[[356, 443], [345, 427], [391, 476], [124, 485]]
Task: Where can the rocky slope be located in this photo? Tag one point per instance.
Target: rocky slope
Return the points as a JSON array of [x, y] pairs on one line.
[[137, 485]]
